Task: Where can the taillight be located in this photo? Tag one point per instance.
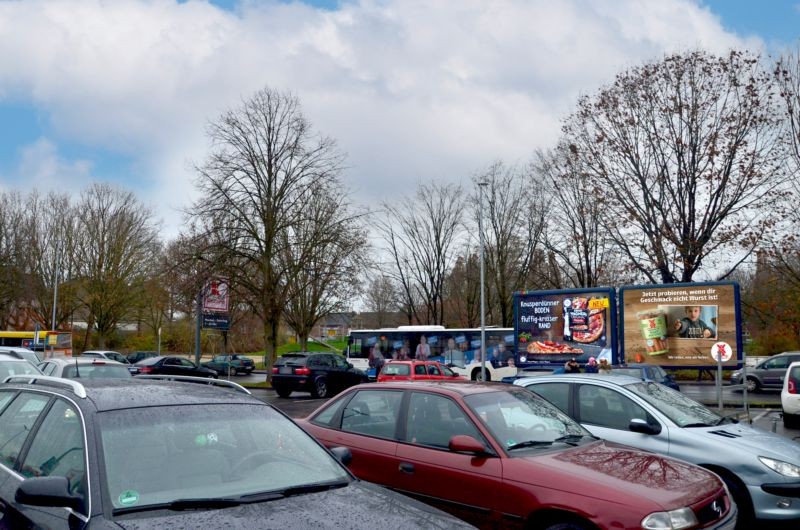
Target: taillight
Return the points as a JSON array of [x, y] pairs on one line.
[[274, 369], [145, 369], [302, 371], [792, 387]]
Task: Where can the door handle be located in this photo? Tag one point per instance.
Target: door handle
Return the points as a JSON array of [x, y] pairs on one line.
[[405, 467]]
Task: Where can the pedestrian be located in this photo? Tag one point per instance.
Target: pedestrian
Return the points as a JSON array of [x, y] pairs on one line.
[[604, 367], [572, 366], [376, 359], [592, 367]]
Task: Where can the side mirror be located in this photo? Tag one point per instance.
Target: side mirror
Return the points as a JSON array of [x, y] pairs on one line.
[[342, 454], [47, 491], [641, 426], [462, 443]]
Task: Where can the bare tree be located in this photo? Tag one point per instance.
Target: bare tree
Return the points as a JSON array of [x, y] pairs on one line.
[[381, 298], [462, 290], [514, 223], [10, 250], [115, 244], [327, 249], [48, 229], [575, 235], [264, 167], [421, 234], [687, 156]]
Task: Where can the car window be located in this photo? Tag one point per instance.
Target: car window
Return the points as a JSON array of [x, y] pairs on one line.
[[555, 393], [5, 397], [329, 416], [777, 362], [419, 369], [433, 370], [373, 412], [57, 449], [448, 372], [16, 422], [676, 406], [396, 369], [155, 455], [220, 359], [321, 361], [340, 362], [47, 368], [607, 407], [432, 420], [186, 362], [96, 371], [8, 368]]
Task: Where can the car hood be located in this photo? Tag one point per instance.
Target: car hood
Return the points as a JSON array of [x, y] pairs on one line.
[[746, 438], [617, 474], [359, 505]]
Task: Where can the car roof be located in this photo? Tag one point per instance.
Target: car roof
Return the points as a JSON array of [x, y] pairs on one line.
[[612, 378], [115, 394], [79, 361], [462, 387], [9, 357]]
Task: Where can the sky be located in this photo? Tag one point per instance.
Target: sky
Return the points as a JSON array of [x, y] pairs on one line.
[[412, 90]]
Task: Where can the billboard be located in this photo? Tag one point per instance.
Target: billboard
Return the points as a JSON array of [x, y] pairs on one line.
[[551, 327], [216, 296], [681, 325]]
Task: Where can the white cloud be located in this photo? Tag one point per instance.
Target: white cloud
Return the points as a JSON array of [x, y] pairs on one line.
[[411, 89], [42, 167]]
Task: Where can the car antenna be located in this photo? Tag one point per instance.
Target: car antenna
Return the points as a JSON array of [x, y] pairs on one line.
[[77, 372]]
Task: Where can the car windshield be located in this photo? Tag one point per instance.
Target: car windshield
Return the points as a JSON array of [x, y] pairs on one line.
[[518, 418], [97, 371], [157, 455], [680, 409], [9, 368], [396, 369]]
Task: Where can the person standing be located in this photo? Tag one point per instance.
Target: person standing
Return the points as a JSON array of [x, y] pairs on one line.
[[592, 367], [376, 359], [423, 350], [572, 366]]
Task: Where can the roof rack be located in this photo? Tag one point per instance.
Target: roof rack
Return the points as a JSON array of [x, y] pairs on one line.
[[77, 388], [199, 380]]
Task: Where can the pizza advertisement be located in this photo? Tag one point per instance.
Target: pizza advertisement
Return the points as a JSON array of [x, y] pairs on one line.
[[555, 326], [679, 325]]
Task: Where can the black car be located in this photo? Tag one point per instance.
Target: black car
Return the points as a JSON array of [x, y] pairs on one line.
[[132, 453], [322, 374], [173, 365], [137, 356]]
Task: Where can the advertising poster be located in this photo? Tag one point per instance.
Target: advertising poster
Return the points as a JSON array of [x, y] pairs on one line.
[[551, 327], [681, 325]]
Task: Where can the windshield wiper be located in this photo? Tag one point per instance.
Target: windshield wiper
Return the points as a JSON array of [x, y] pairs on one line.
[[184, 504], [312, 488], [571, 439], [529, 443], [699, 424]]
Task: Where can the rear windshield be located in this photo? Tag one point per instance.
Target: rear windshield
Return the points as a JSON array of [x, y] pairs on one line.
[[97, 371], [396, 369], [794, 375], [291, 359]]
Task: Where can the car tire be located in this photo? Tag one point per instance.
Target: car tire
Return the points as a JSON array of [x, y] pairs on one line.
[[746, 516], [752, 384], [320, 388], [282, 392], [791, 421], [477, 375]]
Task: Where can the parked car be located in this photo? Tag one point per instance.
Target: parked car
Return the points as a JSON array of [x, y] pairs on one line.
[[760, 468], [173, 365], [416, 371], [180, 455], [499, 456], [78, 368], [22, 353], [646, 372], [790, 397], [11, 364], [768, 373], [112, 356], [322, 374], [231, 364], [135, 357]]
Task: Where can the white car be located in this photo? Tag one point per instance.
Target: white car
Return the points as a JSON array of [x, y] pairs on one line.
[[111, 356], [474, 371], [790, 397]]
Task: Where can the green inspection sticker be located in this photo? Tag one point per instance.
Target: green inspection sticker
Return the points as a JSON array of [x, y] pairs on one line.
[[128, 497]]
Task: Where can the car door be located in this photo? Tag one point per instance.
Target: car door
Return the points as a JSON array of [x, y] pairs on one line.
[[606, 412], [774, 371], [464, 484], [349, 377], [172, 366]]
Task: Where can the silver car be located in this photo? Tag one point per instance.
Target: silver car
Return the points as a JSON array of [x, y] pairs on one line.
[[761, 469]]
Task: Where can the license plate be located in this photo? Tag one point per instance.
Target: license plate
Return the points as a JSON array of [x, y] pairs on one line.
[[285, 370]]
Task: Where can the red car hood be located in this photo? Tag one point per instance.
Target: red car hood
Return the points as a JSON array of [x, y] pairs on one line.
[[628, 476]]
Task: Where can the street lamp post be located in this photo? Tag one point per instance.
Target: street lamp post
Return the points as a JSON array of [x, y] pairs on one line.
[[55, 296], [481, 185]]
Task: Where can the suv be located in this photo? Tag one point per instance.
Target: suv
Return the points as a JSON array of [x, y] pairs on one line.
[[416, 371], [768, 373], [322, 374], [133, 453]]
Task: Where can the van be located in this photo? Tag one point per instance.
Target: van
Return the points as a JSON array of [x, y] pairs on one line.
[[767, 374]]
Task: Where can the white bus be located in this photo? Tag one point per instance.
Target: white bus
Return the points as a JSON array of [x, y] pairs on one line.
[[459, 348]]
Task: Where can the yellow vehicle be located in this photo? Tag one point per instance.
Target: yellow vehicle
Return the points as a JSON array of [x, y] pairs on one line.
[[59, 342]]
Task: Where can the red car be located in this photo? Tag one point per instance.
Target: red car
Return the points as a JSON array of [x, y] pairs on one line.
[[498, 456], [416, 371]]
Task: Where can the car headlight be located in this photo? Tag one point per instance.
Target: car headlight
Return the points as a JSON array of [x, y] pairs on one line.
[[782, 468], [674, 520]]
